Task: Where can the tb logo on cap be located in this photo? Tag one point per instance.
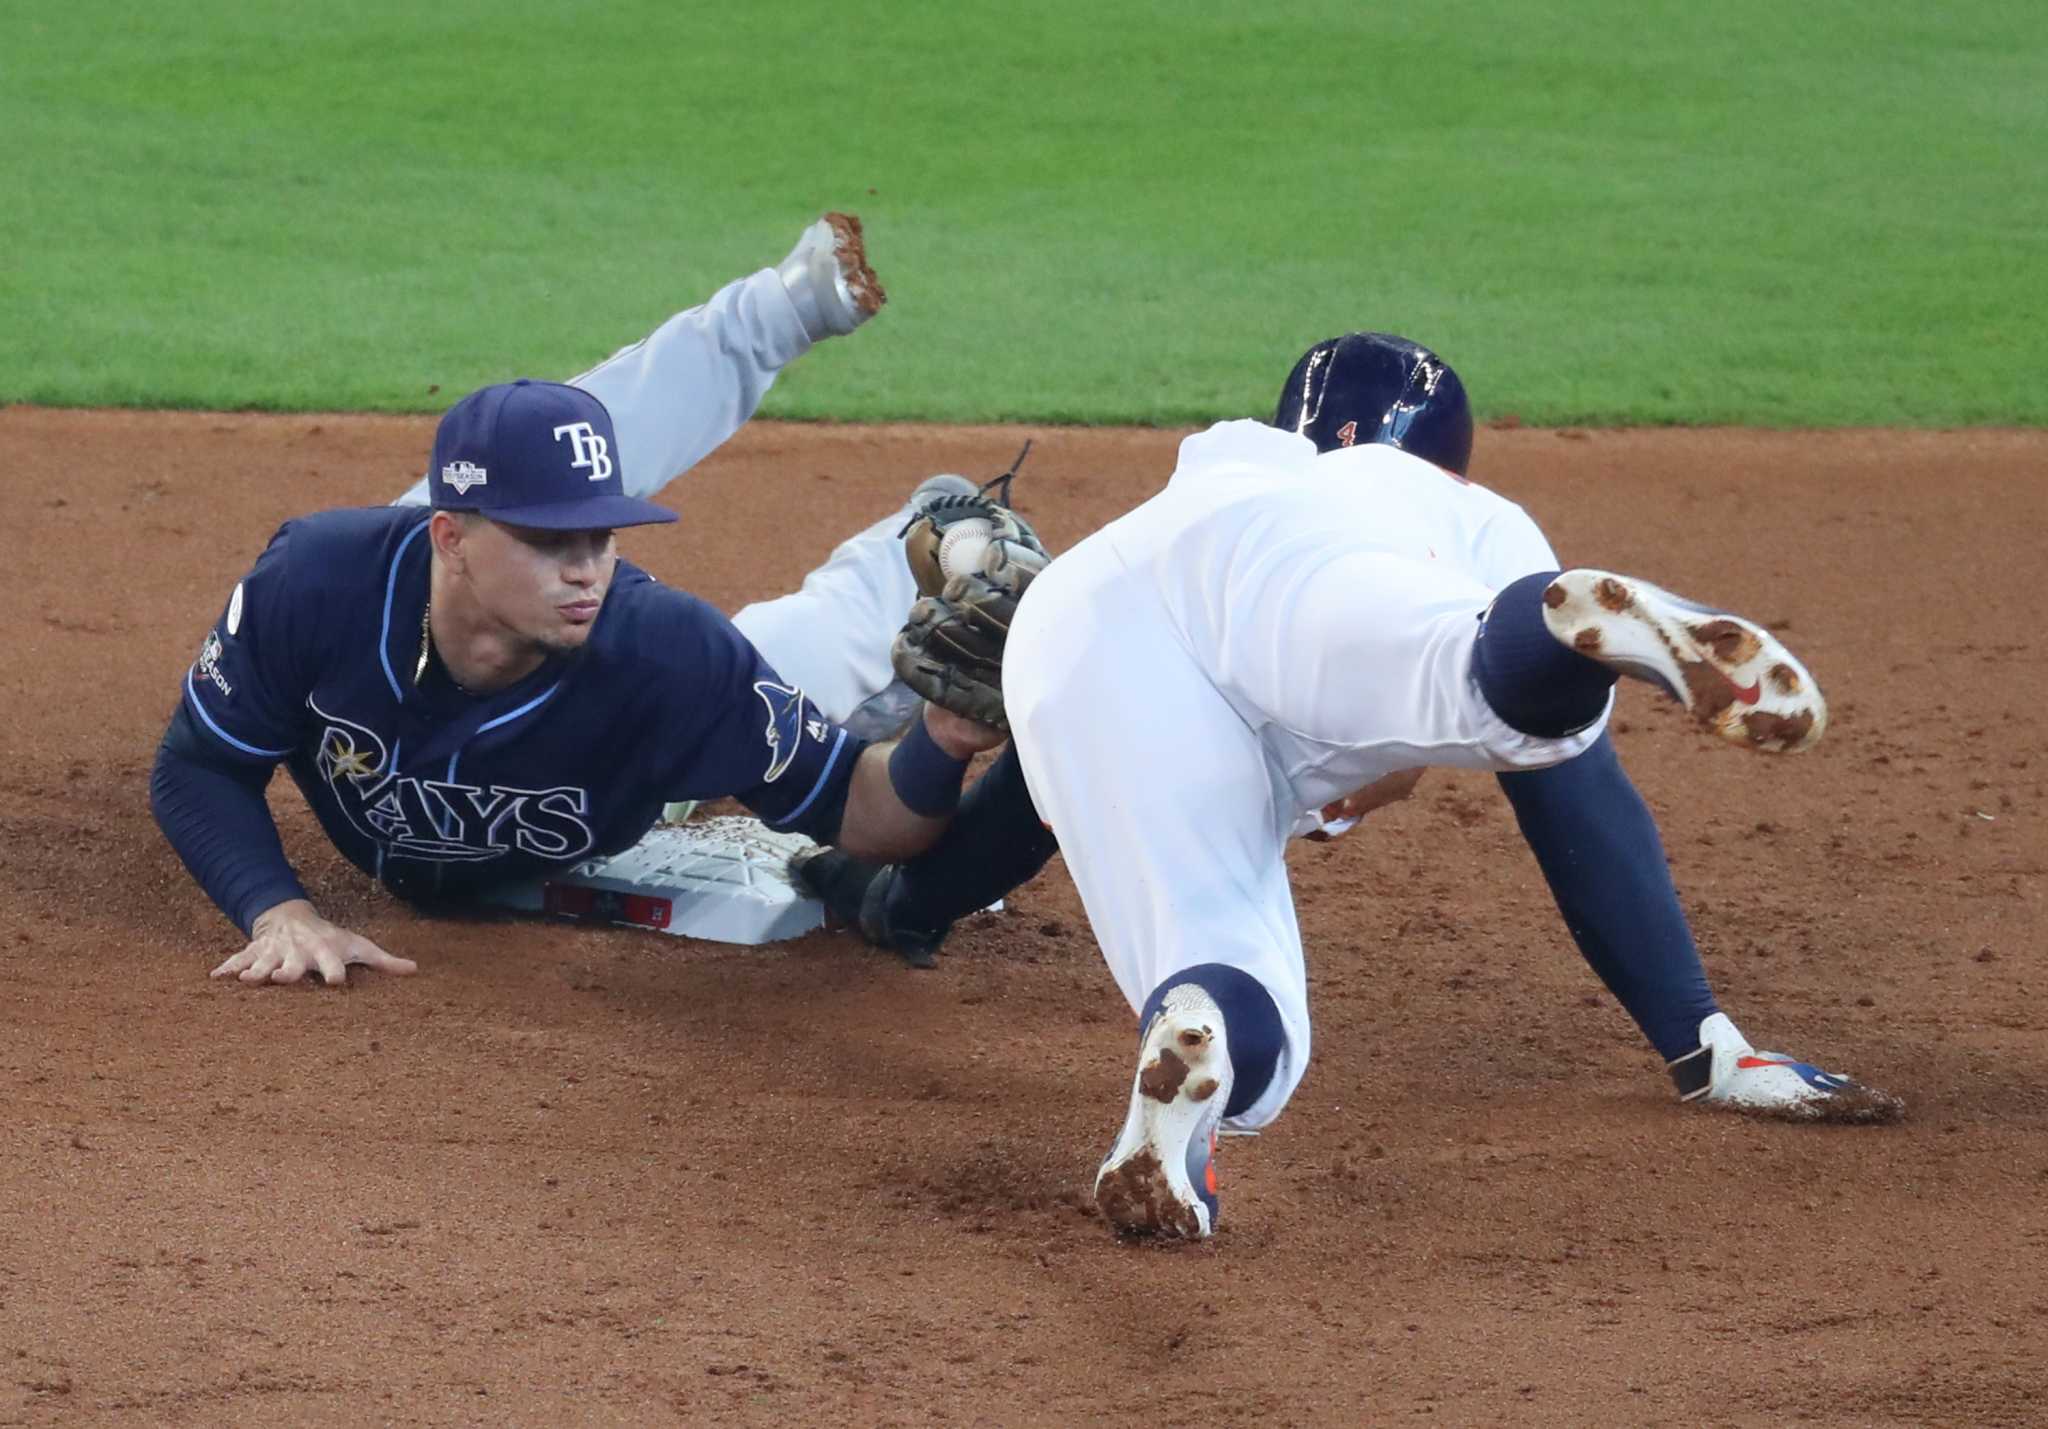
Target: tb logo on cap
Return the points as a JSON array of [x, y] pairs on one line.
[[592, 451]]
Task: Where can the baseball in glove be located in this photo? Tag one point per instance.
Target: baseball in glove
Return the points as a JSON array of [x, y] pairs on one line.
[[973, 558]]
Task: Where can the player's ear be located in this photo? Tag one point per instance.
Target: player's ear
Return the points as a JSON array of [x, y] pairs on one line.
[[447, 531]]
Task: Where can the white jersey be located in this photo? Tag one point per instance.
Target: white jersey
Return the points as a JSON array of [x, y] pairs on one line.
[[1317, 592], [1274, 630]]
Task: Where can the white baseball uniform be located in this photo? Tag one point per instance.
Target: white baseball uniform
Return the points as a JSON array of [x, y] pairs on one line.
[[676, 396], [1275, 630]]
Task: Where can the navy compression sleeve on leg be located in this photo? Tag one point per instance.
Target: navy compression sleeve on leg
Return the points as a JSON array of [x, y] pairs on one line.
[[1251, 1025], [1533, 680], [213, 813], [994, 844], [1599, 850]]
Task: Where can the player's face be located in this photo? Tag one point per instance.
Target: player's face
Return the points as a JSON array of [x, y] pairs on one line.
[[544, 586]]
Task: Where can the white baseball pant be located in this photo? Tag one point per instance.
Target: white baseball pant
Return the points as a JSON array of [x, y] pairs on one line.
[[1188, 686]]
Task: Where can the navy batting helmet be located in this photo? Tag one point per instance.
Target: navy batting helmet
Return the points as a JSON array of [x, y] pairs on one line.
[[1370, 387]]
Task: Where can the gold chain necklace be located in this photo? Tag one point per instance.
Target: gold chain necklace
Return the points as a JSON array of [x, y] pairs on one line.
[[426, 643]]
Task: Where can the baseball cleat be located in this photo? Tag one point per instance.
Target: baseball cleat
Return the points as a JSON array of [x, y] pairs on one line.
[[935, 490], [1733, 675], [855, 896], [1726, 1071], [1160, 1178], [828, 278]]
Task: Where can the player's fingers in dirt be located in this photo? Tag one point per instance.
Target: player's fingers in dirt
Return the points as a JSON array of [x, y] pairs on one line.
[[375, 957], [231, 966]]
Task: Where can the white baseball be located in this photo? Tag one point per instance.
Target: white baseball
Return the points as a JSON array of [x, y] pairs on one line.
[[963, 545]]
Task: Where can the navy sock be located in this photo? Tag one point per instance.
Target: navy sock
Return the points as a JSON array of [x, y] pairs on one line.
[[1533, 680], [1251, 1024], [994, 844], [1598, 847]]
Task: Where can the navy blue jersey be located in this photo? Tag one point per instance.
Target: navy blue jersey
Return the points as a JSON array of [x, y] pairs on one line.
[[436, 792]]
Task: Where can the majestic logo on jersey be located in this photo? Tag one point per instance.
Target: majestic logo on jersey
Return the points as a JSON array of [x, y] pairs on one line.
[[235, 609], [788, 722], [593, 452], [440, 820], [462, 475], [209, 660]]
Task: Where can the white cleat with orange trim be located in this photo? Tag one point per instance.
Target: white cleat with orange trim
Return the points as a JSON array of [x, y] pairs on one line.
[[1160, 1178], [1727, 1071]]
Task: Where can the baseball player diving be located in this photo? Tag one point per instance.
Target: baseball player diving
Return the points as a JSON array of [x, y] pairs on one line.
[[1308, 615], [1311, 612], [471, 687]]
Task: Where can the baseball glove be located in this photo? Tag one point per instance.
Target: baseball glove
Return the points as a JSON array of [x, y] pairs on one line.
[[972, 559]]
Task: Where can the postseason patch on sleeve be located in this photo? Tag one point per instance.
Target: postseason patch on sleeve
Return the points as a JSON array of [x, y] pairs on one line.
[[241, 684], [208, 663]]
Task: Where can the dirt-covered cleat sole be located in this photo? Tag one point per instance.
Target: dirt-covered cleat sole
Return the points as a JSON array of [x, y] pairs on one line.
[[849, 247], [1735, 678], [1160, 1178], [1727, 1072], [828, 278]]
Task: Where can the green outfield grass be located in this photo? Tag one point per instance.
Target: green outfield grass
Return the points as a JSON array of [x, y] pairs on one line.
[[1616, 211]]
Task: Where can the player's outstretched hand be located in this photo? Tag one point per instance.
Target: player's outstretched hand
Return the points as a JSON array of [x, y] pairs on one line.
[[292, 940], [1341, 816], [1377, 795], [959, 736]]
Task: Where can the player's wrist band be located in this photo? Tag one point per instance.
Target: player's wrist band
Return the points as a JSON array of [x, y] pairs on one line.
[[924, 776]]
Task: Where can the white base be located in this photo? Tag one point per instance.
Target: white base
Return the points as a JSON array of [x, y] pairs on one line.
[[724, 879]]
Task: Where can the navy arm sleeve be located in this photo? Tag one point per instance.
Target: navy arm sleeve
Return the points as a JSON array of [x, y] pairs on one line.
[[241, 711], [212, 811]]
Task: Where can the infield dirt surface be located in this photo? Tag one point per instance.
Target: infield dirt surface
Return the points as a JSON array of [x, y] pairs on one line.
[[577, 1175]]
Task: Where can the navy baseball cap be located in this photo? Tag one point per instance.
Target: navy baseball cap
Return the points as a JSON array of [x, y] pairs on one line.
[[535, 454]]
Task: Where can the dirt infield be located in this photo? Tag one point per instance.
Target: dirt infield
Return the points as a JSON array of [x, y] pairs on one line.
[[572, 1176]]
